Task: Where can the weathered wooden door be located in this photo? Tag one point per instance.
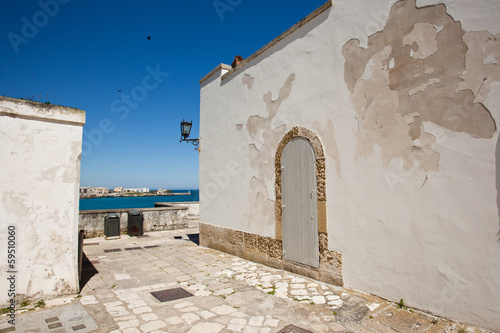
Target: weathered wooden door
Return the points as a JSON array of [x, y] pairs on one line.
[[300, 212]]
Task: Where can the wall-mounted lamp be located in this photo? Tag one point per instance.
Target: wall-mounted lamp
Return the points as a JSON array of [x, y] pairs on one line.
[[185, 130]]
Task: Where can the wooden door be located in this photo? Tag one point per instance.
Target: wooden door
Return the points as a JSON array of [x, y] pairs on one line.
[[300, 206]]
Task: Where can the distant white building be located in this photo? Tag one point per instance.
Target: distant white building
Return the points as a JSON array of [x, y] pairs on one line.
[[97, 191], [136, 190]]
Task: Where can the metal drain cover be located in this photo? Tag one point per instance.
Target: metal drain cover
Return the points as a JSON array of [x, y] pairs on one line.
[[294, 329], [171, 294]]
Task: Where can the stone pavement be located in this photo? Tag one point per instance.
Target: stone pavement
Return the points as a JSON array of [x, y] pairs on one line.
[[229, 294]]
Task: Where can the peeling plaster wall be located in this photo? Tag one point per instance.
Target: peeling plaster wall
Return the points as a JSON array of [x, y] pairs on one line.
[[40, 155], [404, 96]]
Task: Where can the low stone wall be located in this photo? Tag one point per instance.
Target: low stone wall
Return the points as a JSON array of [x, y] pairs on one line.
[[168, 217]]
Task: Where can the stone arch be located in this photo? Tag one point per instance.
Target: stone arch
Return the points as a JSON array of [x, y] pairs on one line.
[[330, 262], [310, 136]]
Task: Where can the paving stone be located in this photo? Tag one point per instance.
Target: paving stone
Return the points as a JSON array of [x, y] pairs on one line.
[[190, 309], [131, 330], [128, 296], [235, 327], [142, 309], [318, 299], [113, 304], [149, 316], [373, 306], [332, 297], [203, 293], [239, 314], [190, 318], [223, 310], [86, 300], [153, 325], [182, 305], [136, 303], [256, 321], [176, 320], [238, 321], [117, 311], [336, 304], [227, 291], [271, 322], [129, 323], [206, 314], [299, 292], [206, 328]]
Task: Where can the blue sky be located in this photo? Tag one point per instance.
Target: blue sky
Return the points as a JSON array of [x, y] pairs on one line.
[[81, 53]]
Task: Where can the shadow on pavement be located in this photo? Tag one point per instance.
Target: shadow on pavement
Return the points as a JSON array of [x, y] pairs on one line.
[[195, 238], [88, 271]]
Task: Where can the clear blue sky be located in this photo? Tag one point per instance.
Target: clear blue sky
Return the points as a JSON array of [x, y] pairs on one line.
[[81, 53]]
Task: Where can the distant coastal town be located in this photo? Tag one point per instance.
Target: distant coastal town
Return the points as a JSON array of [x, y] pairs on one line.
[[100, 192]]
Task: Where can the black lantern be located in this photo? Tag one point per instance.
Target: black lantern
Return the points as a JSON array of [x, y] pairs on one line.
[[185, 131]]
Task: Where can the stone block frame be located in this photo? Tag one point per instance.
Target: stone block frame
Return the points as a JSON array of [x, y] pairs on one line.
[[330, 262]]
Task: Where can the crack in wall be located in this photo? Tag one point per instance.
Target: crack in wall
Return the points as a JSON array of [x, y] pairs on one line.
[[423, 67]]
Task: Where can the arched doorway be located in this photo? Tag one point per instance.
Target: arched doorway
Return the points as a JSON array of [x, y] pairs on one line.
[[299, 203]]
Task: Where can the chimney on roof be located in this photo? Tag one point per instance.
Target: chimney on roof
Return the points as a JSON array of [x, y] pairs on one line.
[[237, 61]]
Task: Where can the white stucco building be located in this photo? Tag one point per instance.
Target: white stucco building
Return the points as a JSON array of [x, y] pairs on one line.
[[40, 155], [360, 147]]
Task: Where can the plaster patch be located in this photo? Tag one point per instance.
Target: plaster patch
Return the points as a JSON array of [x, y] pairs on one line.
[[428, 45], [263, 140], [424, 36], [491, 59], [483, 50], [248, 81], [423, 86], [328, 134]]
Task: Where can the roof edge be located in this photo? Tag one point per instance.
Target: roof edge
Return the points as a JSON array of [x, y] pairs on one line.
[[284, 35], [215, 70]]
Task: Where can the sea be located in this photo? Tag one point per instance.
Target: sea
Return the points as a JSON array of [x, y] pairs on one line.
[[137, 202]]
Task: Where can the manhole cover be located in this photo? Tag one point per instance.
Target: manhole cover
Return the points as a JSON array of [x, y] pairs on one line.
[[294, 329], [171, 294], [112, 250], [133, 248]]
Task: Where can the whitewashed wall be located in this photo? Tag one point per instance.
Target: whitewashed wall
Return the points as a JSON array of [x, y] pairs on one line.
[[40, 154], [412, 206]]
